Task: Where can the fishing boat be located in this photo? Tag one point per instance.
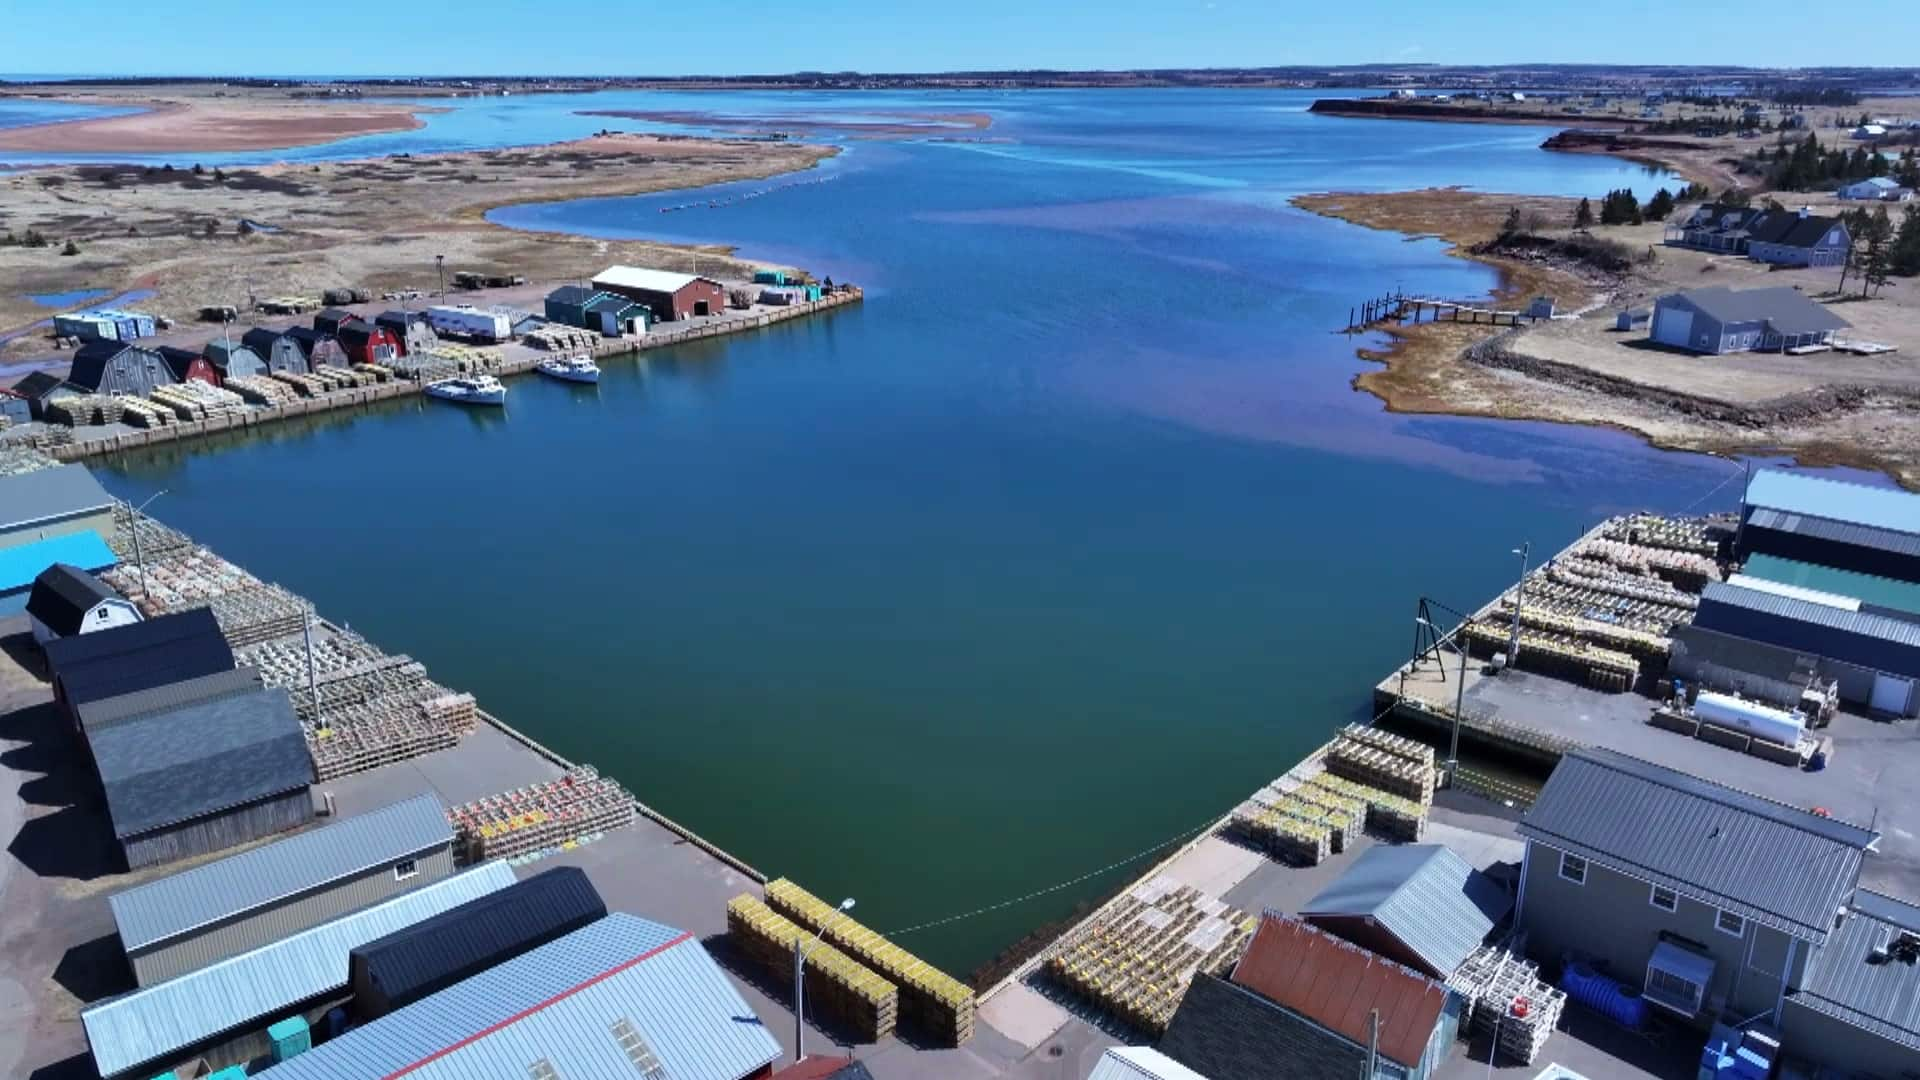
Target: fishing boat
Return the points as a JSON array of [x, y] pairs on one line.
[[580, 369], [469, 390]]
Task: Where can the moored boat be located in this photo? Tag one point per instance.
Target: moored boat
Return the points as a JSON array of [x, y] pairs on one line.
[[469, 390], [580, 369]]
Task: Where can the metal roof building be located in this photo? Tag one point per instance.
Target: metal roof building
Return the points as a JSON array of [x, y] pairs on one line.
[[667, 294], [155, 652], [1722, 847], [1139, 1063], [204, 777], [1880, 595], [46, 503], [1876, 658], [621, 998], [1863, 990], [1418, 904], [21, 564], [224, 908], [430, 956], [824, 1068], [109, 711], [204, 1011], [66, 600], [1833, 523]]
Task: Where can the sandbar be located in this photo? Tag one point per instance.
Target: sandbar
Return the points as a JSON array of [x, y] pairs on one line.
[[181, 127]]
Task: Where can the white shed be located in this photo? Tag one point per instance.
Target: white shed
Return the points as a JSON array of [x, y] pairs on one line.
[[67, 600]]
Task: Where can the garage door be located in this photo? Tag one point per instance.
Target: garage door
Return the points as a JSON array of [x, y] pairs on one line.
[[1890, 695], [1672, 325]]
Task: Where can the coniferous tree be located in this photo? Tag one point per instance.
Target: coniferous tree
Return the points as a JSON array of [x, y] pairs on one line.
[[1906, 244], [1583, 215], [1660, 206]]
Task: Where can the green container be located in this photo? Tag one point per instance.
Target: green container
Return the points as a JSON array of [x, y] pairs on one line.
[[231, 1072], [290, 1037], [769, 277]]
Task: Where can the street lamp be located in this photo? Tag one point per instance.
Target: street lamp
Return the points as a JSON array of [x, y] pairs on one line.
[[1519, 601], [138, 557], [799, 989]]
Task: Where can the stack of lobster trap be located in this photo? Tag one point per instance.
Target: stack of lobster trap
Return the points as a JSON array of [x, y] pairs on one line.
[[837, 986], [540, 817]]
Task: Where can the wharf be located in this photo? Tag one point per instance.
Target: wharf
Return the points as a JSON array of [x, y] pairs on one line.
[[517, 358]]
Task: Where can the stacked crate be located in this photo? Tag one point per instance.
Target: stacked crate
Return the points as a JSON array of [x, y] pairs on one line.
[[837, 986], [1552, 654], [1389, 815], [195, 400], [82, 410], [1136, 958], [541, 817], [1506, 999], [553, 337], [933, 1003], [15, 460], [260, 390], [379, 373], [372, 743], [305, 386], [1389, 770]]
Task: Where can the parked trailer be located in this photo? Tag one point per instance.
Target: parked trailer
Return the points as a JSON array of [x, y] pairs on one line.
[[469, 321]]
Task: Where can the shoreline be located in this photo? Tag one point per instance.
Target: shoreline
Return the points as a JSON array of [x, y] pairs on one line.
[[163, 126], [1449, 369]]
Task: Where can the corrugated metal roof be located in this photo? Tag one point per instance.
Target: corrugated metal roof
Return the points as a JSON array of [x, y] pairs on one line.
[[31, 498], [1139, 1063], [1424, 895], [635, 277], [1778, 865], [1838, 532], [1835, 500], [1867, 624], [62, 595], [20, 565], [433, 955], [255, 987], [169, 767], [1881, 592], [1794, 592], [560, 1003], [146, 654], [1882, 998], [1336, 984], [824, 1068], [107, 712], [152, 913]]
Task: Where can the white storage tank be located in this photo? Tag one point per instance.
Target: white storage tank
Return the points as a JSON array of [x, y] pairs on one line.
[[1760, 721]]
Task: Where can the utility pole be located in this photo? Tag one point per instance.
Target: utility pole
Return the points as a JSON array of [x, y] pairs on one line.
[[313, 675], [440, 266], [1459, 701], [1519, 601]]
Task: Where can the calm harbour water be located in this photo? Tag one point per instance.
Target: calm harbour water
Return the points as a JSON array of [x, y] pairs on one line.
[[1068, 538]]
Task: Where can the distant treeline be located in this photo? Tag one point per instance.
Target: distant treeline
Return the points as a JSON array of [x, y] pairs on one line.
[[1807, 166], [1813, 95]]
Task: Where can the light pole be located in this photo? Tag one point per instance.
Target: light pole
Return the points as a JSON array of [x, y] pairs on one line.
[[799, 989], [1519, 601], [138, 556], [440, 267]]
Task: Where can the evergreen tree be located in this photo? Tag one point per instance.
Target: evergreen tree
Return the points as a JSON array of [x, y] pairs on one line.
[[1583, 215], [1906, 244], [1876, 264], [1660, 205]]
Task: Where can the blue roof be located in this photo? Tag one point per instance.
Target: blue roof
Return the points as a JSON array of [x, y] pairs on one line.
[[254, 988], [20, 565], [1426, 896], [1835, 500], [184, 902], [589, 1004]]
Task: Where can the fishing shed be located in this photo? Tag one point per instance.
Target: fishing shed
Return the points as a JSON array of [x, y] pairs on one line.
[[667, 294], [321, 350], [123, 660], [114, 367], [367, 343], [186, 364], [231, 358], [67, 601], [278, 351]]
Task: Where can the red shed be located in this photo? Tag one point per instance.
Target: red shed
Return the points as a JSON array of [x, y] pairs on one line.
[[366, 343], [188, 365], [669, 295]]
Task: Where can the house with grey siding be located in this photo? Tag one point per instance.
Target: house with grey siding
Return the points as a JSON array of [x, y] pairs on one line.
[[1862, 991], [1797, 238], [1707, 899], [277, 350], [1719, 320], [200, 916], [114, 367], [205, 777]]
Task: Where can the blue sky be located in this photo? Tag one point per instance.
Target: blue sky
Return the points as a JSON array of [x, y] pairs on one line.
[[611, 37]]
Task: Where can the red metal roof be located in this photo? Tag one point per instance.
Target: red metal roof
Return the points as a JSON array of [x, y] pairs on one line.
[[1336, 985], [814, 1068]]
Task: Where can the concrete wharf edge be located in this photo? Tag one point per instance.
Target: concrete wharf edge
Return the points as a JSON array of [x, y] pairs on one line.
[[255, 416]]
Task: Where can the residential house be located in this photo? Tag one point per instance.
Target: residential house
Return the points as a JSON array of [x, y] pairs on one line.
[[1712, 227], [668, 295], [201, 916], [1420, 905], [622, 996], [114, 367], [1298, 1004], [1718, 320], [219, 1014], [67, 600], [45, 503], [1879, 189], [1797, 238], [1860, 998], [1708, 899]]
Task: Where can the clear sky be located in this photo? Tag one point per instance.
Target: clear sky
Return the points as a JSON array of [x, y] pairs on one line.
[[655, 37]]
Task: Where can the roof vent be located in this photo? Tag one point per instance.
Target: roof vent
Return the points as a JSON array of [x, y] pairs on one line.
[[1806, 211]]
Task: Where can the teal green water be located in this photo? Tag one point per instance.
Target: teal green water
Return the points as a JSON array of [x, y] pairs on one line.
[[1060, 544]]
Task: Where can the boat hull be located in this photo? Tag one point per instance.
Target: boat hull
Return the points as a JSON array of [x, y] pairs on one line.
[[570, 376], [492, 397]]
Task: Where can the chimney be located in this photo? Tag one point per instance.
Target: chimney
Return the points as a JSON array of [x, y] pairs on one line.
[[1806, 212]]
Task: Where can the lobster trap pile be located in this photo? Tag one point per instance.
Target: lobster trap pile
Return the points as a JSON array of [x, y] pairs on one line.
[[302, 384], [1382, 760], [1695, 536], [139, 412], [555, 337], [1505, 997], [16, 459], [837, 986], [1688, 570], [195, 400], [540, 817], [464, 358], [248, 610], [260, 390], [1136, 959], [934, 1004], [82, 410], [1562, 619], [1560, 655]]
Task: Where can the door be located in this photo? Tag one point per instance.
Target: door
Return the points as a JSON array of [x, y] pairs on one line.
[[700, 308], [1890, 694], [1671, 325]]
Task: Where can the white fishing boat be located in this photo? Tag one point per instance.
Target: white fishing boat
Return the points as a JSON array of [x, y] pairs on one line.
[[580, 369], [469, 390]]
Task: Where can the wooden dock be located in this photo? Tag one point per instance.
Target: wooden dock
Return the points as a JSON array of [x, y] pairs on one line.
[[1401, 310]]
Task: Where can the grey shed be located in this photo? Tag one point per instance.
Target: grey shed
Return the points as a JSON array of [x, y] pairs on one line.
[[1418, 904], [211, 912]]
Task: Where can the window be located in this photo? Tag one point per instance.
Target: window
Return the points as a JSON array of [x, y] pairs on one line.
[[1573, 868], [405, 869], [1728, 923], [1664, 899]]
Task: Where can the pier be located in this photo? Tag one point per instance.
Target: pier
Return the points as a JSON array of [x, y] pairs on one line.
[[516, 358], [1401, 310]]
